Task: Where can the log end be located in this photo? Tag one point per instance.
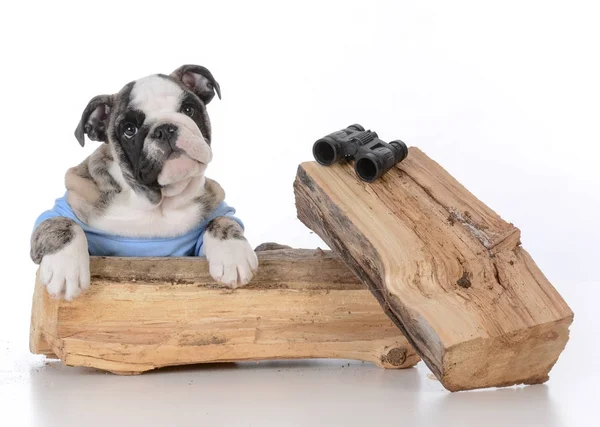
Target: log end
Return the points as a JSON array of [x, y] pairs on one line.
[[43, 321], [397, 358], [524, 357]]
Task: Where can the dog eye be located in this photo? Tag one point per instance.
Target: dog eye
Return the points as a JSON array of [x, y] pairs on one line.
[[129, 130], [188, 110]]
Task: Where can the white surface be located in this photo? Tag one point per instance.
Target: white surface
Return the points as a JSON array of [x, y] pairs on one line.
[[504, 96], [300, 393]]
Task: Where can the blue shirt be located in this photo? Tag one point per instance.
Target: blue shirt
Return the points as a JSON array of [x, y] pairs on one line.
[[102, 243]]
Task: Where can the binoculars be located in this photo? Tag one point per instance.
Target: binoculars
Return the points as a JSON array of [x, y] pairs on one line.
[[372, 157]]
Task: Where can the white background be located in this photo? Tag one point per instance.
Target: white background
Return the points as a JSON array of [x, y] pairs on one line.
[[505, 95]]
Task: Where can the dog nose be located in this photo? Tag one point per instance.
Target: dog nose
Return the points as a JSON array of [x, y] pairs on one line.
[[166, 132]]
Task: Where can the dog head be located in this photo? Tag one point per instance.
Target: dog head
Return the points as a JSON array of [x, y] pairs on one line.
[[158, 129]]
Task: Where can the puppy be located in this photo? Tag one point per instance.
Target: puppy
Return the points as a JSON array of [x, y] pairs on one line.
[[143, 192]]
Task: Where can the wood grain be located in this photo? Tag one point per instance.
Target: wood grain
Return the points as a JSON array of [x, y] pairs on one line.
[[145, 313], [445, 267]]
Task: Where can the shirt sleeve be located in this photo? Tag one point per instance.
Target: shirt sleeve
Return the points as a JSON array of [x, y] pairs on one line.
[[222, 210], [60, 209]]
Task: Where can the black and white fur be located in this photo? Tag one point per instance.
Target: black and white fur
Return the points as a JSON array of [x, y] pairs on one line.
[[147, 180]]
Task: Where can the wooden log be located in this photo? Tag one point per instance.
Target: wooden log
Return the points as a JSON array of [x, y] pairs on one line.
[[145, 313], [446, 268]]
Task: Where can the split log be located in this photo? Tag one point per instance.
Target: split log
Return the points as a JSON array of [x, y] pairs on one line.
[[446, 268], [145, 313]]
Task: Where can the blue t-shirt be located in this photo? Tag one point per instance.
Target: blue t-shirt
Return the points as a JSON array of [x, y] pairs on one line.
[[102, 243]]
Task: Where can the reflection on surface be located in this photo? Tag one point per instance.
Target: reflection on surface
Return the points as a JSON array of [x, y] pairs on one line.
[[275, 393]]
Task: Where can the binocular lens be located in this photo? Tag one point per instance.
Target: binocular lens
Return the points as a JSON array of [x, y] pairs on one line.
[[367, 169], [324, 152], [371, 165]]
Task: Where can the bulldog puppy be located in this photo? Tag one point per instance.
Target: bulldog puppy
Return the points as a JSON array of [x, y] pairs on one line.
[[143, 192]]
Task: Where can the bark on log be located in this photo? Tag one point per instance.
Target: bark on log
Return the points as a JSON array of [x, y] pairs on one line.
[[446, 268], [146, 313]]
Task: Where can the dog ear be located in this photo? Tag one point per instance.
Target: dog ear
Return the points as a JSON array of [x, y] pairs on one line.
[[199, 80], [94, 120]]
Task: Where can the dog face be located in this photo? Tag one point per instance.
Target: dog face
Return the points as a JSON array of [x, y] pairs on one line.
[[158, 129]]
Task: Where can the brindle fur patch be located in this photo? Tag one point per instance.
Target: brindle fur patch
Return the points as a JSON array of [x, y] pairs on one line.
[[211, 198], [224, 228], [90, 186], [51, 236]]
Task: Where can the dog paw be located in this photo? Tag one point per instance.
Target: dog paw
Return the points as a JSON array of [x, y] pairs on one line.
[[66, 273], [232, 262]]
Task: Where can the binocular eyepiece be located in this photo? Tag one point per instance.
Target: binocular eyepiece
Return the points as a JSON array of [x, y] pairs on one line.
[[373, 157]]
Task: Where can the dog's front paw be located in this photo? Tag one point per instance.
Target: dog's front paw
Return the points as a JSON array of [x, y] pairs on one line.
[[232, 262], [66, 273]]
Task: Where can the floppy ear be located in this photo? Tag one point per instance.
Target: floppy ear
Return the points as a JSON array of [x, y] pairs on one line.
[[199, 80], [94, 120]]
